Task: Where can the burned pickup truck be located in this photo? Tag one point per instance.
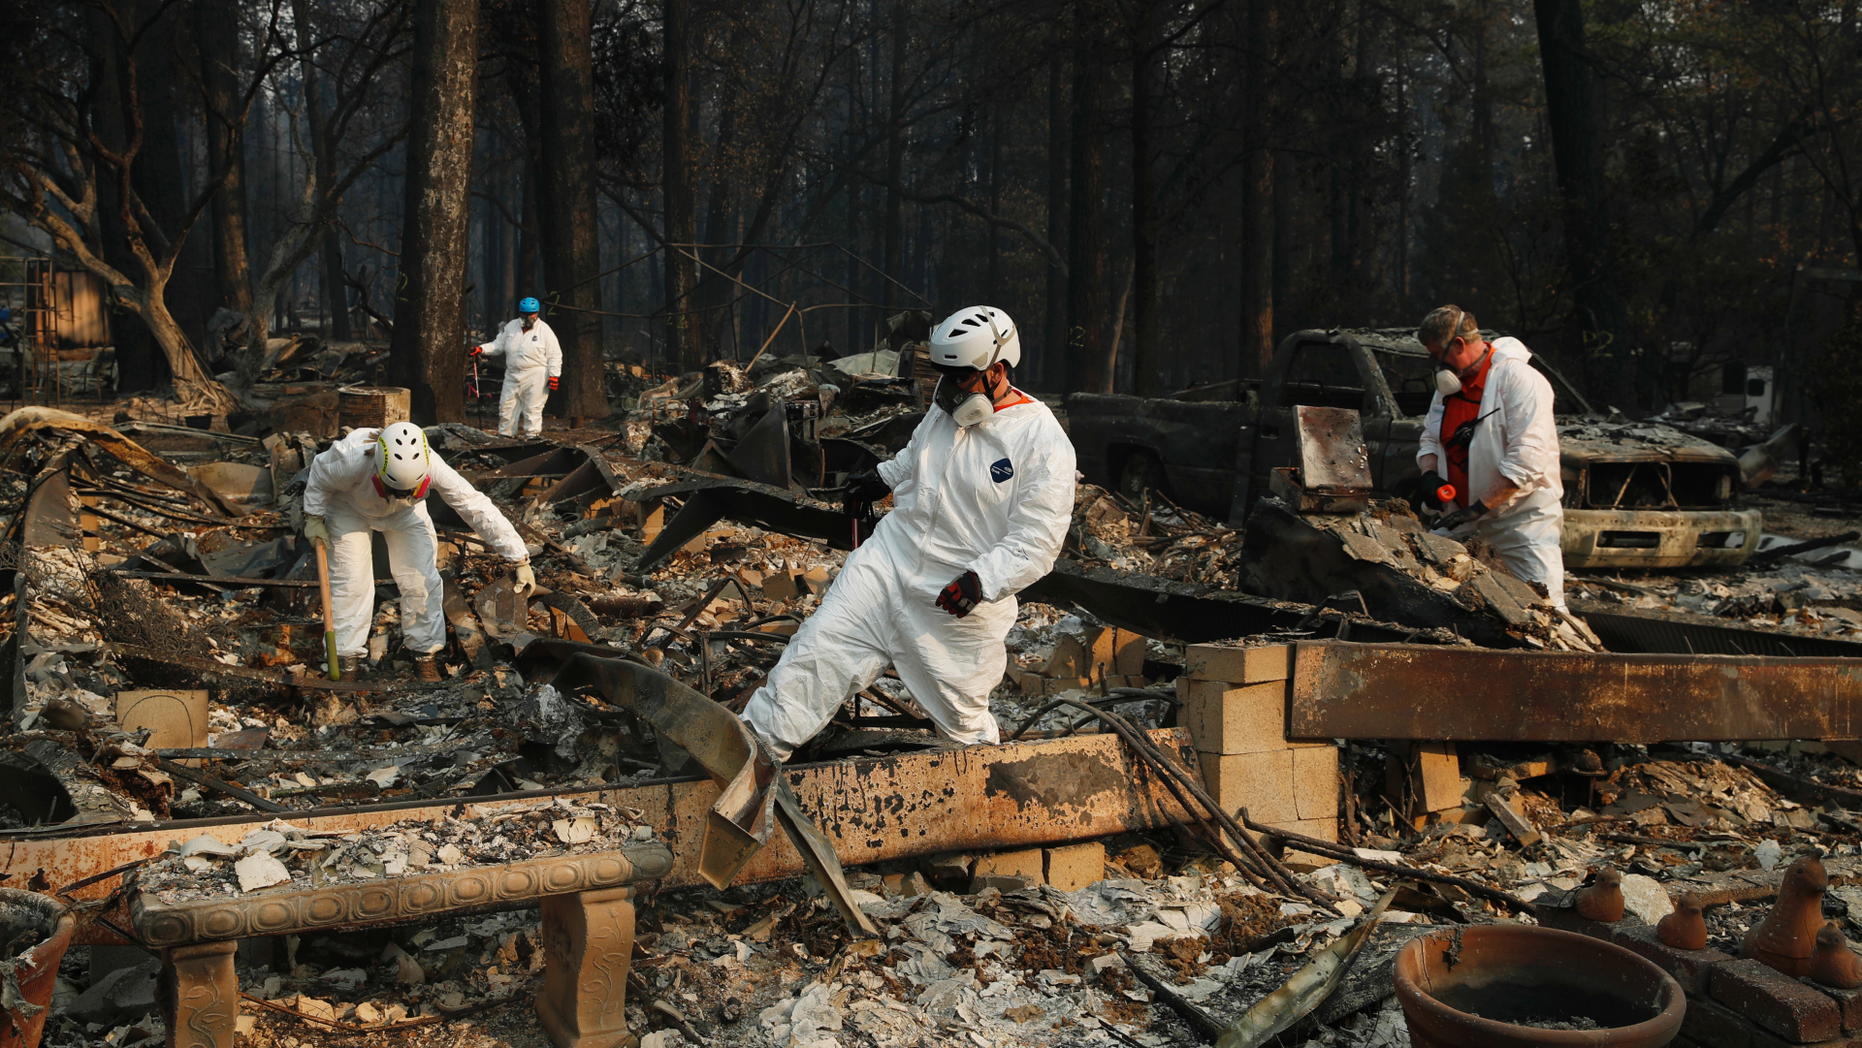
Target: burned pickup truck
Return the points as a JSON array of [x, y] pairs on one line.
[[1637, 495]]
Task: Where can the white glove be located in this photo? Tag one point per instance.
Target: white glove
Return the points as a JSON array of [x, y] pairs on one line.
[[315, 530], [526, 579]]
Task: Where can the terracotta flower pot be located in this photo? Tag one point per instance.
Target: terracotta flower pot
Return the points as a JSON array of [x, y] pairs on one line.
[[37, 967], [1479, 994]]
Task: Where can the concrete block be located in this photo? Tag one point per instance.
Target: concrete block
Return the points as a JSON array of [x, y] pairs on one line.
[[1304, 861], [1782, 1005], [1007, 871], [906, 885], [1315, 782], [1239, 665], [1100, 654], [1691, 968], [1229, 718], [1068, 659], [1076, 866], [1321, 829], [1429, 770], [652, 522], [1114, 652], [1259, 782]]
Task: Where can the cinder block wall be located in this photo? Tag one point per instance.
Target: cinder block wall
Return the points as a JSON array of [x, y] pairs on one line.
[[1235, 703]]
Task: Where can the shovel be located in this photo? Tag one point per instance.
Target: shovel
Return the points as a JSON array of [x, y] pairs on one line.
[[329, 616]]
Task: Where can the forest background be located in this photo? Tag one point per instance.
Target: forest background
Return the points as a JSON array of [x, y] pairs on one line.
[[1656, 195]]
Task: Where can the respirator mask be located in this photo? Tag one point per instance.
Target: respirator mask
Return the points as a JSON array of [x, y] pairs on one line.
[[965, 407], [1447, 383]]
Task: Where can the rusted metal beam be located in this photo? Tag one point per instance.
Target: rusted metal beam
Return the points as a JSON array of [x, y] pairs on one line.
[[871, 810], [1397, 691]]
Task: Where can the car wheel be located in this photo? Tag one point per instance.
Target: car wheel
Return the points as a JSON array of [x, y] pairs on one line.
[[1140, 473]]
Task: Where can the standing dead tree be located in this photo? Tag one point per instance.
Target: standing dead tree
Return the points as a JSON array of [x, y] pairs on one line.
[[343, 75], [67, 167]]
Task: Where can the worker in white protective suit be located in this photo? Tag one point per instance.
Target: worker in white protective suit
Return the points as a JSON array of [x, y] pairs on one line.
[[982, 496], [376, 480], [1490, 434], [532, 369]]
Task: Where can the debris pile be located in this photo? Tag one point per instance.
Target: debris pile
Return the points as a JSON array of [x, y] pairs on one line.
[[164, 649]]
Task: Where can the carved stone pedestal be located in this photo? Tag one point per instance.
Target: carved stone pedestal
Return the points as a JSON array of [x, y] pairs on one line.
[[200, 994], [588, 942]]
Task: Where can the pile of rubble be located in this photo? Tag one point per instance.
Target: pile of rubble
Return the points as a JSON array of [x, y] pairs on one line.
[[165, 655]]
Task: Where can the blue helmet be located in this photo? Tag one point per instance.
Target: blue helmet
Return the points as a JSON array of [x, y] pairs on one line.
[[529, 305]]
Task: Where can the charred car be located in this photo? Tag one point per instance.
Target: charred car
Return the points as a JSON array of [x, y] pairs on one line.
[[1637, 495]]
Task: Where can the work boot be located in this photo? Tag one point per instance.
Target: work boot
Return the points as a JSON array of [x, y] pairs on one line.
[[350, 666], [428, 668]]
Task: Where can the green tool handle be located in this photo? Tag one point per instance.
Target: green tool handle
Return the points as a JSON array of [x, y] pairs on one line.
[[329, 615]]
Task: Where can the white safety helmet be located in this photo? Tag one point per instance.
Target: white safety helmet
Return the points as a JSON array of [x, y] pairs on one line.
[[976, 337], [402, 469]]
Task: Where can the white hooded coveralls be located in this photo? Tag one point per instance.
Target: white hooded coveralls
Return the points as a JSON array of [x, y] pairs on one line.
[[341, 488], [531, 359], [1517, 438], [995, 499]]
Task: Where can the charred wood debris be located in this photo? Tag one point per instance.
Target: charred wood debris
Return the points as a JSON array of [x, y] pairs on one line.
[[693, 533]]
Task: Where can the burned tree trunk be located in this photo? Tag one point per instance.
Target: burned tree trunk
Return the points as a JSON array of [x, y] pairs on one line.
[[427, 348], [1600, 320], [677, 187], [330, 251], [1051, 367], [572, 258], [1086, 263], [1257, 198], [217, 33], [1147, 367], [895, 161]]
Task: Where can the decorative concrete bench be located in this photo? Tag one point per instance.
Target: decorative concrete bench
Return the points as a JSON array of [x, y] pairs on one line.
[[588, 935]]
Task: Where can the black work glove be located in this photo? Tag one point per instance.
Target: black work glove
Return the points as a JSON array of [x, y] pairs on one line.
[[1462, 516], [1425, 494], [864, 489], [963, 594]]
